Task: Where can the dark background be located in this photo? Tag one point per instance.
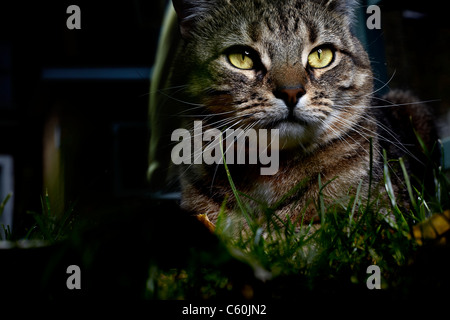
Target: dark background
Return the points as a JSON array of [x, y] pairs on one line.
[[85, 140]]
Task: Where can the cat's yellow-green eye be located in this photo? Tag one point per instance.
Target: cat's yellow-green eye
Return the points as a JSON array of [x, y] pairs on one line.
[[241, 61], [320, 58]]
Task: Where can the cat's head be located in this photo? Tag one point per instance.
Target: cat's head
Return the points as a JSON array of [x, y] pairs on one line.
[[291, 65]]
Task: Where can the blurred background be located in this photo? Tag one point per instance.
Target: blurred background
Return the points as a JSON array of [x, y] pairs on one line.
[[73, 103]]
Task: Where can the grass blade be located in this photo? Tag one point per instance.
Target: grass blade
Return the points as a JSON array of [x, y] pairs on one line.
[[233, 188], [408, 185]]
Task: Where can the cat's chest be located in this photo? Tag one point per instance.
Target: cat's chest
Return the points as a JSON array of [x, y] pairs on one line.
[[302, 177], [288, 182]]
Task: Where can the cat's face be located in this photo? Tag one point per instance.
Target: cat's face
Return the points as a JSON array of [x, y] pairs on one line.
[[287, 65]]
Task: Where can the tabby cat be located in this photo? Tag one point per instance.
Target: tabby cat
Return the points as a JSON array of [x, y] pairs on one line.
[[290, 65]]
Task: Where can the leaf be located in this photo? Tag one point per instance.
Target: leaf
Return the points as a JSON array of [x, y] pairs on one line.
[[3, 204], [433, 228], [203, 218]]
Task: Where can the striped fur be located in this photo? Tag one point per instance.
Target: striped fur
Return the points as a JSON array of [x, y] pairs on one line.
[[330, 128]]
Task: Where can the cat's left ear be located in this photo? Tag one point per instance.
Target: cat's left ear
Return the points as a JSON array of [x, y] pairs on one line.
[[190, 11]]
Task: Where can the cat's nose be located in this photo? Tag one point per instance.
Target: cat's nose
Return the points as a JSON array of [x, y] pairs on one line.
[[290, 95]]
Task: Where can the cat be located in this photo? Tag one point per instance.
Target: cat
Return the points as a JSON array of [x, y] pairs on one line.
[[291, 65]]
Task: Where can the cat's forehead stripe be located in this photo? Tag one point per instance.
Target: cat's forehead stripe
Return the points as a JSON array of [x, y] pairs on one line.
[[254, 31], [290, 30]]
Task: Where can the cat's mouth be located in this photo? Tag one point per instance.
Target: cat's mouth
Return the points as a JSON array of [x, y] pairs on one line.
[[291, 119], [296, 130]]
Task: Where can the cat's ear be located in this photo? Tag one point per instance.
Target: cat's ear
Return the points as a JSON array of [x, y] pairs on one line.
[[345, 7], [189, 11]]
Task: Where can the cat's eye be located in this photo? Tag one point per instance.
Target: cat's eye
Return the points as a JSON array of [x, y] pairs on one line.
[[241, 60], [320, 58]]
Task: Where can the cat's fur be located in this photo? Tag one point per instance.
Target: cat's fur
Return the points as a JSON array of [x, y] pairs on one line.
[[331, 126]]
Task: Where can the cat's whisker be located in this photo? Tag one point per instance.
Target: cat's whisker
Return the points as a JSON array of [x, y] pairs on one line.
[[395, 140], [380, 154], [160, 90], [173, 87], [341, 134], [203, 149], [268, 146], [217, 127], [201, 133], [392, 105], [224, 122], [351, 127], [225, 151], [371, 94], [389, 131], [209, 115], [180, 101], [189, 110], [384, 85], [236, 138], [397, 143], [389, 105], [247, 128]]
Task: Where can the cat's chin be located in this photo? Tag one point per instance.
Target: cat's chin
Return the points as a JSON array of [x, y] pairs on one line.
[[294, 135]]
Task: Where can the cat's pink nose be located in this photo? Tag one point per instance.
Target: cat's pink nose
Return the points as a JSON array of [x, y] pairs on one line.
[[290, 95]]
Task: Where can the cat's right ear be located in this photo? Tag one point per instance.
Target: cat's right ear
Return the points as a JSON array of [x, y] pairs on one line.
[[188, 12], [345, 7]]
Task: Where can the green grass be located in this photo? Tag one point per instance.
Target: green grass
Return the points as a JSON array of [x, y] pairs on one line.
[[353, 234], [286, 258], [349, 238], [6, 229], [48, 226]]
